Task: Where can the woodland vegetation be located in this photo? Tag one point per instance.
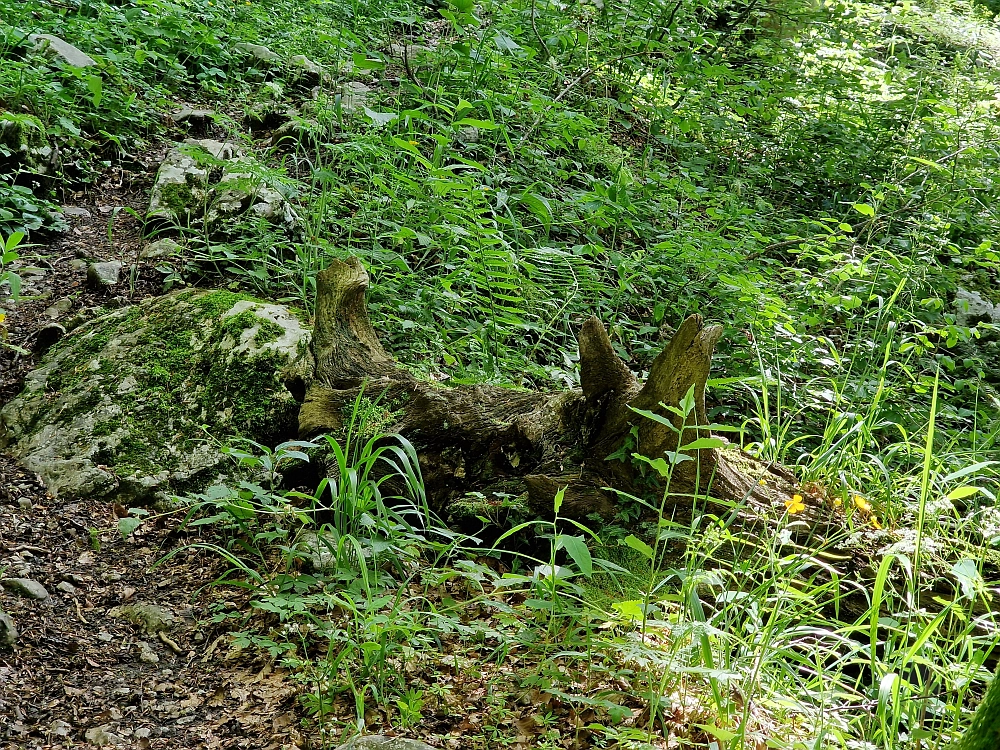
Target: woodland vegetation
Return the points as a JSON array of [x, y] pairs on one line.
[[657, 351]]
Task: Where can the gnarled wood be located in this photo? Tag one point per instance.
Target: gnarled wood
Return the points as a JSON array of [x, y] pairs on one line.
[[491, 440]]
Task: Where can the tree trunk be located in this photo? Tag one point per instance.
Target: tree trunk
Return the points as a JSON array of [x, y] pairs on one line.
[[984, 732], [507, 443]]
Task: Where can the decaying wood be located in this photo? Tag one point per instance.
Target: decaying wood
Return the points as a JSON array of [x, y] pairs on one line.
[[489, 440]]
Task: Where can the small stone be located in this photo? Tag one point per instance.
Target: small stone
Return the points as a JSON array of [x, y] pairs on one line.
[[24, 503], [25, 587], [57, 47], [58, 309], [160, 249], [66, 587], [85, 559], [143, 732], [104, 274], [105, 637], [146, 653], [8, 633], [76, 212], [77, 264]]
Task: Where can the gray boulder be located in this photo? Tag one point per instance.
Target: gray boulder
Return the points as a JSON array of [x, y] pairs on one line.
[[60, 48], [304, 71], [116, 408], [25, 587], [161, 250], [186, 190], [104, 274]]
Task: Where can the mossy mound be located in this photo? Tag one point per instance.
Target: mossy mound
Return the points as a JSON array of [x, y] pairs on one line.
[[132, 404]]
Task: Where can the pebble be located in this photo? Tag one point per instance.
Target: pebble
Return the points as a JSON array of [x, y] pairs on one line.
[[66, 587], [24, 503], [105, 637], [104, 274], [146, 653], [25, 587]]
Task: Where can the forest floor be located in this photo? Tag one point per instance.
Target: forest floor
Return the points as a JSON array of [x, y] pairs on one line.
[[78, 671]]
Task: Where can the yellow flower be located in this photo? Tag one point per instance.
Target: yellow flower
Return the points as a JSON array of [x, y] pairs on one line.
[[861, 504], [875, 523], [837, 502], [3, 317], [762, 482], [795, 505]]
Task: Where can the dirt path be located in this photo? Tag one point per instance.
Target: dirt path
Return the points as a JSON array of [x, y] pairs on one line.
[[79, 675]]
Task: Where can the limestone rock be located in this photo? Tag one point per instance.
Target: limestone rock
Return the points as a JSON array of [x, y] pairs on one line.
[[354, 96], [56, 47], [971, 308], [305, 72], [8, 632], [149, 618], [116, 408], [104, 274], [25, 587], [381, 742], [197, 120], [259, 52], [208, 181], [161, 250]]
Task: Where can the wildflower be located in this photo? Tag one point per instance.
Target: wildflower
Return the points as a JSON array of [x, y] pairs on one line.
[[762, 482], [837, 502], [861, 504], [875, 523], [795, 505], [412, 143]]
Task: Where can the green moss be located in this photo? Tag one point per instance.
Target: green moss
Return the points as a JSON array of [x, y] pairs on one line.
[[178, 197], [174, 371]]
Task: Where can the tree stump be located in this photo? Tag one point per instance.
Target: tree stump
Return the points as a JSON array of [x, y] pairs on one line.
[[504, 442]]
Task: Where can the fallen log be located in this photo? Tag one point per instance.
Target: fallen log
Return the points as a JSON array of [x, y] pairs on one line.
[[502, 442]]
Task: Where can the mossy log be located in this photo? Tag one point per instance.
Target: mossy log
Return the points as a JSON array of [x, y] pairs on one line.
[[504, 442]]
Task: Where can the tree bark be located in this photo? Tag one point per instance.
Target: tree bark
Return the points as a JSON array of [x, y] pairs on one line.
[[508, 443]]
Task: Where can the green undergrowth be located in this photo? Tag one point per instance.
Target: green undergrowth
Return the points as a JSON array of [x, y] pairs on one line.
[[817, 177]]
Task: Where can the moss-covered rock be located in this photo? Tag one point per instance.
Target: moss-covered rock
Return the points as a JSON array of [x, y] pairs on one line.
[[206, 181], [132, 404]]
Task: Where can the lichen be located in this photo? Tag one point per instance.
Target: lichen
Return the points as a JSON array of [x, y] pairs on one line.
[[177, 384]]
